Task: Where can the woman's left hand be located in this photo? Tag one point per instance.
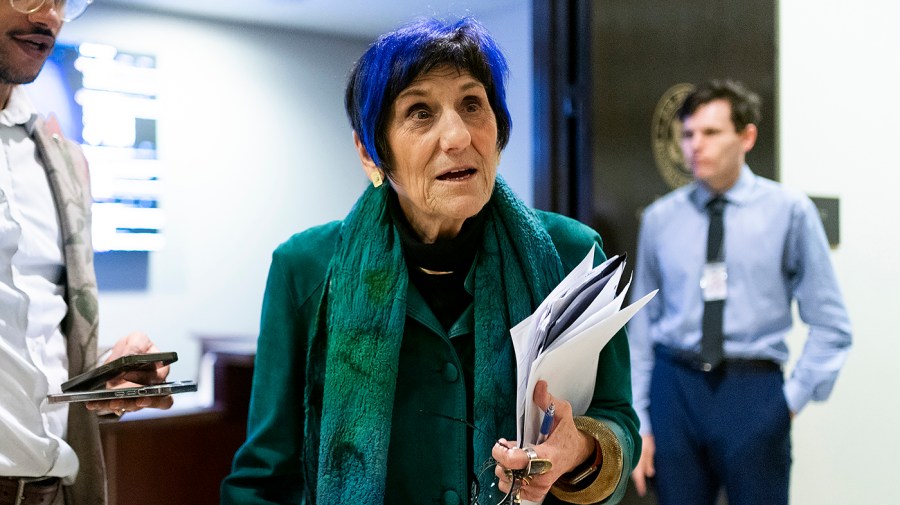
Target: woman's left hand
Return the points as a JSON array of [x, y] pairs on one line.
[[565, 447]]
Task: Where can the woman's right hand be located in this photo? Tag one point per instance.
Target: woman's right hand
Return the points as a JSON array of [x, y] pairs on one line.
[[566, 448]]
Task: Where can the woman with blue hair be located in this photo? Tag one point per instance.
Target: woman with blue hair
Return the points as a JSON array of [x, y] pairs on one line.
[[385, 370]]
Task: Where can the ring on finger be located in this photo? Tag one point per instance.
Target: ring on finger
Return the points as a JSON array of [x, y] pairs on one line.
[[536, 466]]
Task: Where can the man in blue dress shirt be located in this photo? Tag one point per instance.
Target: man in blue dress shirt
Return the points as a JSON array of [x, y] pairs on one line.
[[708, 424]]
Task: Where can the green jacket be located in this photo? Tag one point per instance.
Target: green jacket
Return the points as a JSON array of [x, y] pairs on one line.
[[429, 461]]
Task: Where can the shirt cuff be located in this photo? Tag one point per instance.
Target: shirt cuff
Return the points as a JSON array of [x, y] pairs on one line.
[[644, 418], [796, 396]]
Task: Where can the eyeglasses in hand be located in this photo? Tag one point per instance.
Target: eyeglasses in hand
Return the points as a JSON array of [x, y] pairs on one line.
[[517, 478], [511, 497]]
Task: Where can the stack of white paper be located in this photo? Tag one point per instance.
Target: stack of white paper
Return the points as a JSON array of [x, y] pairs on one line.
[[561, 342]]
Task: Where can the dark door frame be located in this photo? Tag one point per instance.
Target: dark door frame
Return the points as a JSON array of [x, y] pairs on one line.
[[562, 108]]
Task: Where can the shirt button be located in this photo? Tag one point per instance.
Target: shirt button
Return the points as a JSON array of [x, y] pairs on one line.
[[451, 498], [450, 372]]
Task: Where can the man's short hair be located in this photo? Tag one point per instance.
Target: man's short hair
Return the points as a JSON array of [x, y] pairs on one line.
[[745, 104]]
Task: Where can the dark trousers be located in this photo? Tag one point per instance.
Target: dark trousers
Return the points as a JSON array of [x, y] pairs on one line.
[[729, 427]]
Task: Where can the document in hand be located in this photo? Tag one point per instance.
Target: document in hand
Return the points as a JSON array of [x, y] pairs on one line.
[[561, 341]]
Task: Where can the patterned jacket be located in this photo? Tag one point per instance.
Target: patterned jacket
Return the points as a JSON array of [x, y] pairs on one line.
[[67, 171]]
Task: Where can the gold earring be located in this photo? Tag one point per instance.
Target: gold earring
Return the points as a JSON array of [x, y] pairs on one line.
[[376, 178]]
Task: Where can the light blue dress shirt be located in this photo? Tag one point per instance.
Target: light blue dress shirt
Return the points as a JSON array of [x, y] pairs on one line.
[[775, 252]]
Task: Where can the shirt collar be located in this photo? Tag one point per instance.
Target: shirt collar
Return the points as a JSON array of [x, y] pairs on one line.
[[19, 110], [737, 194]]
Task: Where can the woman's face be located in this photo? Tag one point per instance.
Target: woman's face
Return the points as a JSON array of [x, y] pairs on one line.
[[442, 134]]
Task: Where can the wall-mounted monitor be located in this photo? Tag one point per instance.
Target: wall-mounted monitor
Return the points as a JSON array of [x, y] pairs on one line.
[[105, 99]]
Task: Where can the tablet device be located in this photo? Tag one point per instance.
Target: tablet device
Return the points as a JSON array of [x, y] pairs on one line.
[[97, 377], [166, 388]]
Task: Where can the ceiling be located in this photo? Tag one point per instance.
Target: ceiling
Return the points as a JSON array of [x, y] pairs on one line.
[[363, 18]]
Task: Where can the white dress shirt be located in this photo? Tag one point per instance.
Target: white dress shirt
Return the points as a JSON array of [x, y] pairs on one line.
[[33, 361]]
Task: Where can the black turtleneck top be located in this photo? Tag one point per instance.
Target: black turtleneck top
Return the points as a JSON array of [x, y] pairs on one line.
[[445, 293]]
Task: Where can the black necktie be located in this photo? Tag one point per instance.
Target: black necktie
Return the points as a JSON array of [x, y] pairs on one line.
[[711, 344]]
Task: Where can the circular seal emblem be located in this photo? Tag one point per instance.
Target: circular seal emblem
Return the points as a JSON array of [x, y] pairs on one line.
[[666, 137]]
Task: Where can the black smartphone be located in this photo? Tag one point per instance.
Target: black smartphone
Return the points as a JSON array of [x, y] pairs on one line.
[[96, 378], [166, 388]]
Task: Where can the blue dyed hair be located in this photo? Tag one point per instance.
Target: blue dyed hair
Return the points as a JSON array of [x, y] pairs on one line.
[[397, 58]]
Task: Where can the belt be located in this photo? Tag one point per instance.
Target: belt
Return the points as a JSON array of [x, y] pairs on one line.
[[29, 490], [695, 362]]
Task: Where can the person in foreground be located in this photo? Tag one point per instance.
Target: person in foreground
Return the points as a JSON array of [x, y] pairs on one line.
[[385, 370], [50, 453], [729, 254]]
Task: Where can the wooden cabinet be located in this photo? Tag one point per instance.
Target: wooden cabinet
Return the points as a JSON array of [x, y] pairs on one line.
[[180, 456]]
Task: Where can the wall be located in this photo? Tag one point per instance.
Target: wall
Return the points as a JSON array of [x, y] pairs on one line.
[[256, 147], [838, 136]]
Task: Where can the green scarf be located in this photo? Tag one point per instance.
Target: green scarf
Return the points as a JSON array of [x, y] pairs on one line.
[[515, 269]]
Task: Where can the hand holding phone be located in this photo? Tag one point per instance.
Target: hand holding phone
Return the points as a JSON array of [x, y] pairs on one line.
[[98, 377], [136, 343], [92, 385]]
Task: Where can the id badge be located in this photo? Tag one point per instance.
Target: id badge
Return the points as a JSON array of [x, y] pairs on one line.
[[713, 283]]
